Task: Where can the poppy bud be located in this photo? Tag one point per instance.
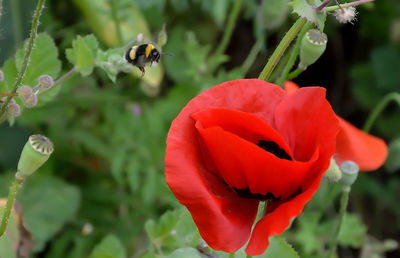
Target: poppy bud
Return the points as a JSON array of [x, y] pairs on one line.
[[31, 101], [346, 15], [1, 76], [312, 47], [46, 81], [349, 171], [13, 109], [35, 153], [24, 92], [333, 174]]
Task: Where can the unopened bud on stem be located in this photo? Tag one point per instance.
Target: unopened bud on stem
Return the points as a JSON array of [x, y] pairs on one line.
[[349, 171], [312, 47]]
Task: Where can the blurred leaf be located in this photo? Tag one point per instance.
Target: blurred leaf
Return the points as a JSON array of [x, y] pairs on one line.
[[82, 54], [278, 247], [10, 74], [352, 232], [306, 234], [118, 159], [306, 10], [173, 230], [10, 239], [386, 62], [109, 247], [274, 13], [185, 252], [392, 163], [48, 203]]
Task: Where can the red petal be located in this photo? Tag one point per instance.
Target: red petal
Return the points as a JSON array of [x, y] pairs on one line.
[[307, 122], [276, 222], [290, 87], [369, 152], [224, 219], [241, 163]]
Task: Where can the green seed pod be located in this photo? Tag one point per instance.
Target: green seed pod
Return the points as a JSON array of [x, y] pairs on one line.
[[35, 153], [312, 47], [349, 171]]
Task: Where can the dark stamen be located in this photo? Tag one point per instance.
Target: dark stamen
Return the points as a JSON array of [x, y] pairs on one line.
[[273, 148], [245, 193]]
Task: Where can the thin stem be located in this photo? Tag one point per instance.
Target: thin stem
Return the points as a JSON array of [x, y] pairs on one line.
[[114, 15], [252, 56], [293, 54], [31, 43], [294, 74], [11, 197], [16, 22], [8, 94], [229, 28], [343, 206], [61, 80], [281, 48], [355, 3], [394, 96]]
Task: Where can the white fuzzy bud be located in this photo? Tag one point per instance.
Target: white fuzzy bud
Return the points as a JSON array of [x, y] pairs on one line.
[[24, 92], [13, 109], [46, 81], [31, 101], [346, 15]]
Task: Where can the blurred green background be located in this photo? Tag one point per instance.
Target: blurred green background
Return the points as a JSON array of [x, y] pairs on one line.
[[107, 169]]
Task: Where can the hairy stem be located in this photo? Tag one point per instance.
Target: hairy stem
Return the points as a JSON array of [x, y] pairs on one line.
[[343, 206], [394, 96], [281, 48], [355, 3], [229, 28], [293, 54], [10, 201], [31, 43]]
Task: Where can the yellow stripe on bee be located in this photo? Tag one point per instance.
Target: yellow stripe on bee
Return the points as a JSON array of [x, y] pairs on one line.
[[132, 53], [148, 49]]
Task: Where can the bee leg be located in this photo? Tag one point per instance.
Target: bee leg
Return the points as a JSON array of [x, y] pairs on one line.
[[141, 68]]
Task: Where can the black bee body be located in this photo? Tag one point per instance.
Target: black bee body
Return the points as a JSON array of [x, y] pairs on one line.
[[141, 55]]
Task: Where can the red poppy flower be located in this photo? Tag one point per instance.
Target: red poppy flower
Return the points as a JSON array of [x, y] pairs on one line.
[[368, 151], [244, 141]]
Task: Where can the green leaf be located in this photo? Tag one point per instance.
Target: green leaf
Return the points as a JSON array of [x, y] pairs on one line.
[[386, 62], [10, 74], [274, 13], [10, 239], [306, 10], [184, 253], [43, 60], [352, 232], [48, 203], [109, 247], [278, 247], [82, 54], [173, 230]]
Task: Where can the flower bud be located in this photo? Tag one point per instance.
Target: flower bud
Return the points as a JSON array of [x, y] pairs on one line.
[[31, 101], [13, 109], [349, 171], [333, 174], [312, 47], [1, 75], [46, 81], [24, 92], [36, 152], [345, 15]]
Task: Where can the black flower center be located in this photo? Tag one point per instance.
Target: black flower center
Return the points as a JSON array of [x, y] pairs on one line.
[[273, 148], [245, 193]]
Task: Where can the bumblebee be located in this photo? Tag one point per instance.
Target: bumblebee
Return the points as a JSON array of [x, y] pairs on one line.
[[141, 55]]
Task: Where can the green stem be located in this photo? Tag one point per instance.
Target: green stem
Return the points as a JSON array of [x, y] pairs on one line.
[[281, 48], [61, 80], [394, 96], [293, 54], [343, 206], [252, 56], [16, 22], [229, 28], [294, 74], [355, 3], [11, 197], [114, 15], [31, 43]]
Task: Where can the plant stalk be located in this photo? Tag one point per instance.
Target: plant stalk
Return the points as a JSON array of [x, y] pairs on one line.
[[60, 81], [343, 206], [31, 43], [355, 3], [281, 48], [394, 96], [10, 201], [229, 28], [294, 73]]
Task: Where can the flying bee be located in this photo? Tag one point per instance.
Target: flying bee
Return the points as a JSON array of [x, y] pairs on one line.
[[141, 55]]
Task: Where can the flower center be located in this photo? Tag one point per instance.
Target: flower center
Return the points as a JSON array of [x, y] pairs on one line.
[[273, 147], [245, 193]]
